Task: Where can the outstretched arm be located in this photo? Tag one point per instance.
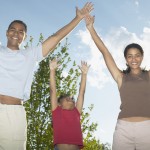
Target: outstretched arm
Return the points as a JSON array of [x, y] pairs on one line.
[[84, 69], [53, 66], [50, 43], [111, 65]]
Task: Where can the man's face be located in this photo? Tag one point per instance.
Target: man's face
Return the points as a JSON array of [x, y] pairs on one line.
[[15, 35]]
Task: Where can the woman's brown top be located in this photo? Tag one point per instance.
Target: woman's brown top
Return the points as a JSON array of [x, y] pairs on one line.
[[135, 95]]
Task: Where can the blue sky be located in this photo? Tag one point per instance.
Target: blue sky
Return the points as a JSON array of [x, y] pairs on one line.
[[118, 23]]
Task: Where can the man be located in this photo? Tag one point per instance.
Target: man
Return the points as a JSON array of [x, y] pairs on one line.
[[16, 73]]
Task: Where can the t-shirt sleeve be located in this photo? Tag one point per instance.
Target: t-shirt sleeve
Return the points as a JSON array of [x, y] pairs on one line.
[[37, 53]]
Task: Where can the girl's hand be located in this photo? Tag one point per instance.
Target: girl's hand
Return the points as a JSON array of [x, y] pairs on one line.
[[84, 67], [53, 64]]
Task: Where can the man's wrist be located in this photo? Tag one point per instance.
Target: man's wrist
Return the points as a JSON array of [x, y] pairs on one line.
[[77, 17]]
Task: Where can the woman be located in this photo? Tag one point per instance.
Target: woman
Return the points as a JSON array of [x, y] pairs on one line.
[[132, 129]]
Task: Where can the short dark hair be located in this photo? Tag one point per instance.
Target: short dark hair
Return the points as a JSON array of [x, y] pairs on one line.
[[20, 22]]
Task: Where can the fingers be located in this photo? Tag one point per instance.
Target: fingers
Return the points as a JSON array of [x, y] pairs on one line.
[[84, 67], [83, 63], [53, 64], [89, 18], [89, 6], [89, 21], [52, 61], [77, 9], [56, 59]]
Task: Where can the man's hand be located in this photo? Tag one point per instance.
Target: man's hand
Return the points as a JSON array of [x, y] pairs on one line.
[[88, 7]]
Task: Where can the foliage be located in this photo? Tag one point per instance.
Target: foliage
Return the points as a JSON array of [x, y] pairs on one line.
[[88, 129], [38, 108]]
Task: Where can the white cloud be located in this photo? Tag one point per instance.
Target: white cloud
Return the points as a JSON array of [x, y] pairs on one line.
[[115, 40], [136, 3], [97, 76]]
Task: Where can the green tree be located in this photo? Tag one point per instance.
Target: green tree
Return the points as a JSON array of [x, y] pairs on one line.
[[88, 129], [40, 131]]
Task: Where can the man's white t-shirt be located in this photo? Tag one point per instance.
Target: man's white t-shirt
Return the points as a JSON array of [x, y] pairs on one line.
[[17, 70]]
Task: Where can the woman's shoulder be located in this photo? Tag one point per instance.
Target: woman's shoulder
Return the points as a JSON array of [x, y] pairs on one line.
[[148, 72]]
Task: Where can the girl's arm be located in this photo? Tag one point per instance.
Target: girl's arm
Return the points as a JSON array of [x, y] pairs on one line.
[[84, 69], [53, 66]]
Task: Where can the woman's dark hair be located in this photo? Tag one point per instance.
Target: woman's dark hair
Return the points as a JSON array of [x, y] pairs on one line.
[[132, 45], [20, 22]]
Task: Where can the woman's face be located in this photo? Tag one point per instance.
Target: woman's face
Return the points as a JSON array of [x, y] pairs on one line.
[[134, 58]]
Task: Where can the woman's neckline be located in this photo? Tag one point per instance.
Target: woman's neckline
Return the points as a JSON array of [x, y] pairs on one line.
[[136, 74]]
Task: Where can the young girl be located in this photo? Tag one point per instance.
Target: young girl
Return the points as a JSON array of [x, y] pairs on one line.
[[133, 125], [66, 113]]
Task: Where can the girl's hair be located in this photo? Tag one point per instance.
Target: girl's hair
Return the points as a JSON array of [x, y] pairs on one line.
[[62, 97], [20, 22], [132, 45]]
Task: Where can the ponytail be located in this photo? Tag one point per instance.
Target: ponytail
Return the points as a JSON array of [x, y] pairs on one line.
[[128, 69]]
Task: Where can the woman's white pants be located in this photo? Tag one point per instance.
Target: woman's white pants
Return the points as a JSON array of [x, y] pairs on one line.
[[132, 135]]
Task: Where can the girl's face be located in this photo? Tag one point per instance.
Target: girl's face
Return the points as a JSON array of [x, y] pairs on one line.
[[67, 103], [134, 58]]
